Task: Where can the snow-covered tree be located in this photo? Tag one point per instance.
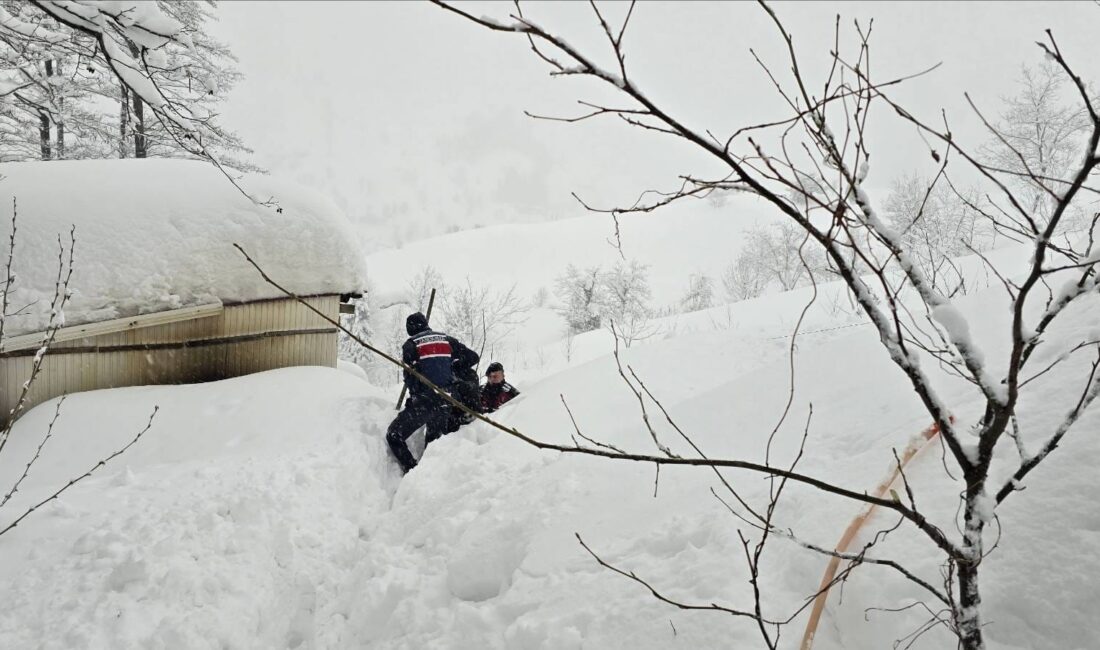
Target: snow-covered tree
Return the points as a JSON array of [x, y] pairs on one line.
[[776, 250], [1040, 135], [624, 301], [700, 293], [580, 292], [743, 279], [936, 224], [542, 295], [202, 74], [773, 254], [44, 108], [359, 323], [153, 58], [477, 315]]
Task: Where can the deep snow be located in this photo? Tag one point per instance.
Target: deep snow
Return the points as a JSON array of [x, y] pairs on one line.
[[158, 234], [264, 511]]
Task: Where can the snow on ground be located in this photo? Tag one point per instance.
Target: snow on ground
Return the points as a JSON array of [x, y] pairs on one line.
[[223, 528], [264, 512], [158, 234]]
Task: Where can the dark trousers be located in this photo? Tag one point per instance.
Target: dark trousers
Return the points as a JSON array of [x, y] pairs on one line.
[[466, 392], [428, 410]]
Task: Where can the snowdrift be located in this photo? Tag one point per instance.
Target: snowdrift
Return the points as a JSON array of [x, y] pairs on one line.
[[264, 511]]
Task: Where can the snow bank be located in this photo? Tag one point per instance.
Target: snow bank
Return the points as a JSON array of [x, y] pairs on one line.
[[225, 527], [264, 511], [158, 234]]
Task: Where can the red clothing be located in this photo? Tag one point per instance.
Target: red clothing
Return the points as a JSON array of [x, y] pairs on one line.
[[493, 396]]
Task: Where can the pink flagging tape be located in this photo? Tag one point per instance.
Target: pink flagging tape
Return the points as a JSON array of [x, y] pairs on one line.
[[914, 447]]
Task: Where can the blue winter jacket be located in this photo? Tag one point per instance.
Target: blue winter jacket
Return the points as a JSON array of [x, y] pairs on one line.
[[433, 355]]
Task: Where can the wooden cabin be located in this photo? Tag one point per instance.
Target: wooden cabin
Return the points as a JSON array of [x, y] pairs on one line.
[[180, 346], [233, 323]]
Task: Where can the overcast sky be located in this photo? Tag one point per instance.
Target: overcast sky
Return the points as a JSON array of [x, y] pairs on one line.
[[411, 117]]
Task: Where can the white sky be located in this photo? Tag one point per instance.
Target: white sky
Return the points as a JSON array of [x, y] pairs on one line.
[[411, 117]]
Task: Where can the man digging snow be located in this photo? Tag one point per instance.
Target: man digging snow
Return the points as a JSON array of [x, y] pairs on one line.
[[433, 355]]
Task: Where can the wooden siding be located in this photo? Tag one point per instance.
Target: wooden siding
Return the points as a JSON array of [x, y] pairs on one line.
[[242, 339]]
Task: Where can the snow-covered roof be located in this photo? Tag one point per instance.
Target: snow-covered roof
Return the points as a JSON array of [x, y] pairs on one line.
[[158, 234]]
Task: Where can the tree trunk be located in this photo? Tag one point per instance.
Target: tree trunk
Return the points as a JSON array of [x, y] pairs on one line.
[[140, 144], [968, 618], [44, 134], [59, 105], [44, 121], [124, 122], [969, 623], [60, 128], [139, 128]]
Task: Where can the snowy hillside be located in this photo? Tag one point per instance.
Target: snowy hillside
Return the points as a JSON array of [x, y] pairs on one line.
[[265, 511], [674, 243]]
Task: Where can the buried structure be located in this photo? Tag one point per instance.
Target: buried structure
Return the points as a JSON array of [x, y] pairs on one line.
[[158, 294]]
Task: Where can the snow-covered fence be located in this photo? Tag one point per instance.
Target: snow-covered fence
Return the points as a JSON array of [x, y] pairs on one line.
[[178, 346]]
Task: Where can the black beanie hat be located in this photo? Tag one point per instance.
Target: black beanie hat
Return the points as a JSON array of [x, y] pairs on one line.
[[416, 323], [493, 367]]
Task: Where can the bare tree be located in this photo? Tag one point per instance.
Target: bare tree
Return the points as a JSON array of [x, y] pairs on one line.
[[824, 135], [480, 316], [421, 285]]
